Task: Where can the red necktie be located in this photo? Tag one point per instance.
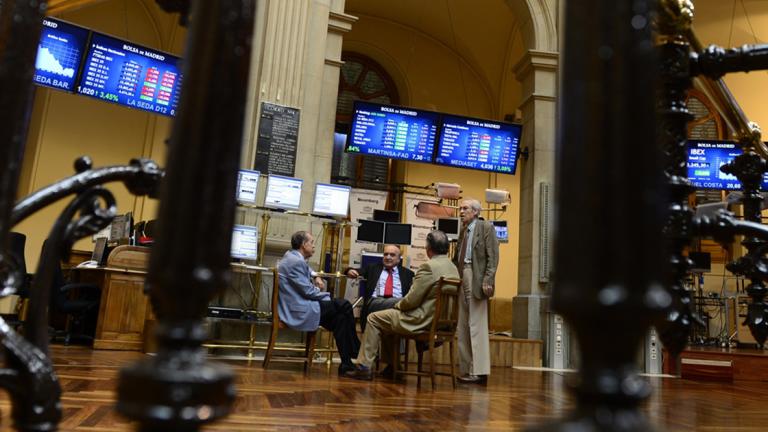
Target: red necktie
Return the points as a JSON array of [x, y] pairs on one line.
[[389, 285]]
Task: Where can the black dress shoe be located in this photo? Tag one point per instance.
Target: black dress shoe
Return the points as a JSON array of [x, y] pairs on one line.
[[473, 379], [359, 373], [344, 368]]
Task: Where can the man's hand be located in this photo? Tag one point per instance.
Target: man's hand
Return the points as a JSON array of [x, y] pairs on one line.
[[352, 273], [320, 283], [488, 290]]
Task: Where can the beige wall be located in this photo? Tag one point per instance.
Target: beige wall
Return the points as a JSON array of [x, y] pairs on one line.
[[448, 77], [66, 126], [713, 23]]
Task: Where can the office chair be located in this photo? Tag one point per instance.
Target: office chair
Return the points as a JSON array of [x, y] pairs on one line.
[[79, 311]]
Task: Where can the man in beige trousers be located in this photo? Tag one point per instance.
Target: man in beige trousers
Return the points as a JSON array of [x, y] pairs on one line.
[[412, 314], [476, 257]]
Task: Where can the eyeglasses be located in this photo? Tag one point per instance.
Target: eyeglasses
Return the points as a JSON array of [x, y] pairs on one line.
[[390, 254]]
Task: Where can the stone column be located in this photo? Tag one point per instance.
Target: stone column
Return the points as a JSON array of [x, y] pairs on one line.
[[537, 72], [297, 61]]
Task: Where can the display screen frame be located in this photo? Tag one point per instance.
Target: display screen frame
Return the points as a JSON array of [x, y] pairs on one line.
[[95, 82], [452, 119], [353, 147], [239, 193], [61, 33], [270, 190], [236, 253], [366, 227], [696, 160], [318, 186], [391, 230]]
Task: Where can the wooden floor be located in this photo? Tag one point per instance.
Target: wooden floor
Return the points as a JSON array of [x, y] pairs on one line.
[[283, 399]]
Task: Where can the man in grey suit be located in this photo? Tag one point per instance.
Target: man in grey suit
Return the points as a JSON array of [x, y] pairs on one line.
[[304, 304], [476, 257]]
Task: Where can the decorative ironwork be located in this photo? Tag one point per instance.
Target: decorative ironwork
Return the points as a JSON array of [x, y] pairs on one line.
[[609, 292], [715, 61], [673, 23], [178, 389]]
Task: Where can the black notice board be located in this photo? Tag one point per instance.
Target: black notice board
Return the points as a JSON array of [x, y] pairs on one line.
[[278, 139]]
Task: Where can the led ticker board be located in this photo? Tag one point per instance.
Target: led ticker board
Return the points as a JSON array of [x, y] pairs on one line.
[[478, 144], [704, 159], [393, 132], [59, 54], [131, 75]]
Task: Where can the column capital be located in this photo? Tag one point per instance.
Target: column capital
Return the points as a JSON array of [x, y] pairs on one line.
[[534, 60]]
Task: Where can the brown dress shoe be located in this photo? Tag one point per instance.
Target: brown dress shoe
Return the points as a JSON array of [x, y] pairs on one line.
[[473, 379]]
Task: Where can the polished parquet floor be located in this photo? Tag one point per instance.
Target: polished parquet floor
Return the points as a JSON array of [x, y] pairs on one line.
[[284, 399]]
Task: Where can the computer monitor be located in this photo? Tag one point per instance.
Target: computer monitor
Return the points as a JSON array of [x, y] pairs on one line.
[[245, 240], [247, 185], [450, 226], [397, 233], [331, 200], [283, 192], [386, 216], [370, 231], [502, 234]]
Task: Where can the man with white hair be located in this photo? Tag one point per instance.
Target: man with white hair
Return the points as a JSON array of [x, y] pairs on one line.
[[476, 257]]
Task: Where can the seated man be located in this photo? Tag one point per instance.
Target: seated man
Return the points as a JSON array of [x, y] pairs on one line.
[[386, 283], [413, 314], [304, 305]]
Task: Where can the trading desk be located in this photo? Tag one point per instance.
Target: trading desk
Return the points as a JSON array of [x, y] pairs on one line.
[[124, 307]]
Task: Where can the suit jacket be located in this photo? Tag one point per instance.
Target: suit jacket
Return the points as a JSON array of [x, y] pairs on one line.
[[298, 302], [418, 307], [485, 256], [372, 273]]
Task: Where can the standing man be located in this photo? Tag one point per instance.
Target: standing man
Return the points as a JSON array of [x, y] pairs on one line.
[[304, 305], [412, 314], [386, 283], [476, 257]]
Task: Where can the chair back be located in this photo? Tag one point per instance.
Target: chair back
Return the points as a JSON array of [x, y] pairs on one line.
[[446, 317]]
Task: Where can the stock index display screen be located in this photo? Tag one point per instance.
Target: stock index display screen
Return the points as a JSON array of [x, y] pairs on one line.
[[478, 144], [704, 159], [131, 75], [393, 132], [59, 54]]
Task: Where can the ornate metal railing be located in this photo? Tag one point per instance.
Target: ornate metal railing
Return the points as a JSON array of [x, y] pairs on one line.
[[176, 390], [683, 58]]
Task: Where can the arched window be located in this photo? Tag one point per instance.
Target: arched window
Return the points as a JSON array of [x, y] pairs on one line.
[[363, 79]]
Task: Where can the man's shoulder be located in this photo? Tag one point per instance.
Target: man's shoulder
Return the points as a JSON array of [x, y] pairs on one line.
[[289, 258]]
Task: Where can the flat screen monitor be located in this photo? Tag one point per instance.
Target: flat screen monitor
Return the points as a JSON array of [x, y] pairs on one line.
[[478, 144], [502, 234], [392, 131], [705, 157], [247, 186], [386, 216], [450, 226], [59, 54], [131, 75], [245, 240], [370, 231], [397, 233], [283, 192], [331, 200]]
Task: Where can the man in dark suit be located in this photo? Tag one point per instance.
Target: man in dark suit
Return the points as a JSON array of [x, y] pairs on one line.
[[304, 304], [386, 283]]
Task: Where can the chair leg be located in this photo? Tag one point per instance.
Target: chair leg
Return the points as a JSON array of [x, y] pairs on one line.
[[309, 351], [432, 364], [395, 355], [405, 358], [270, 347], [453, 364], [419, 366]]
